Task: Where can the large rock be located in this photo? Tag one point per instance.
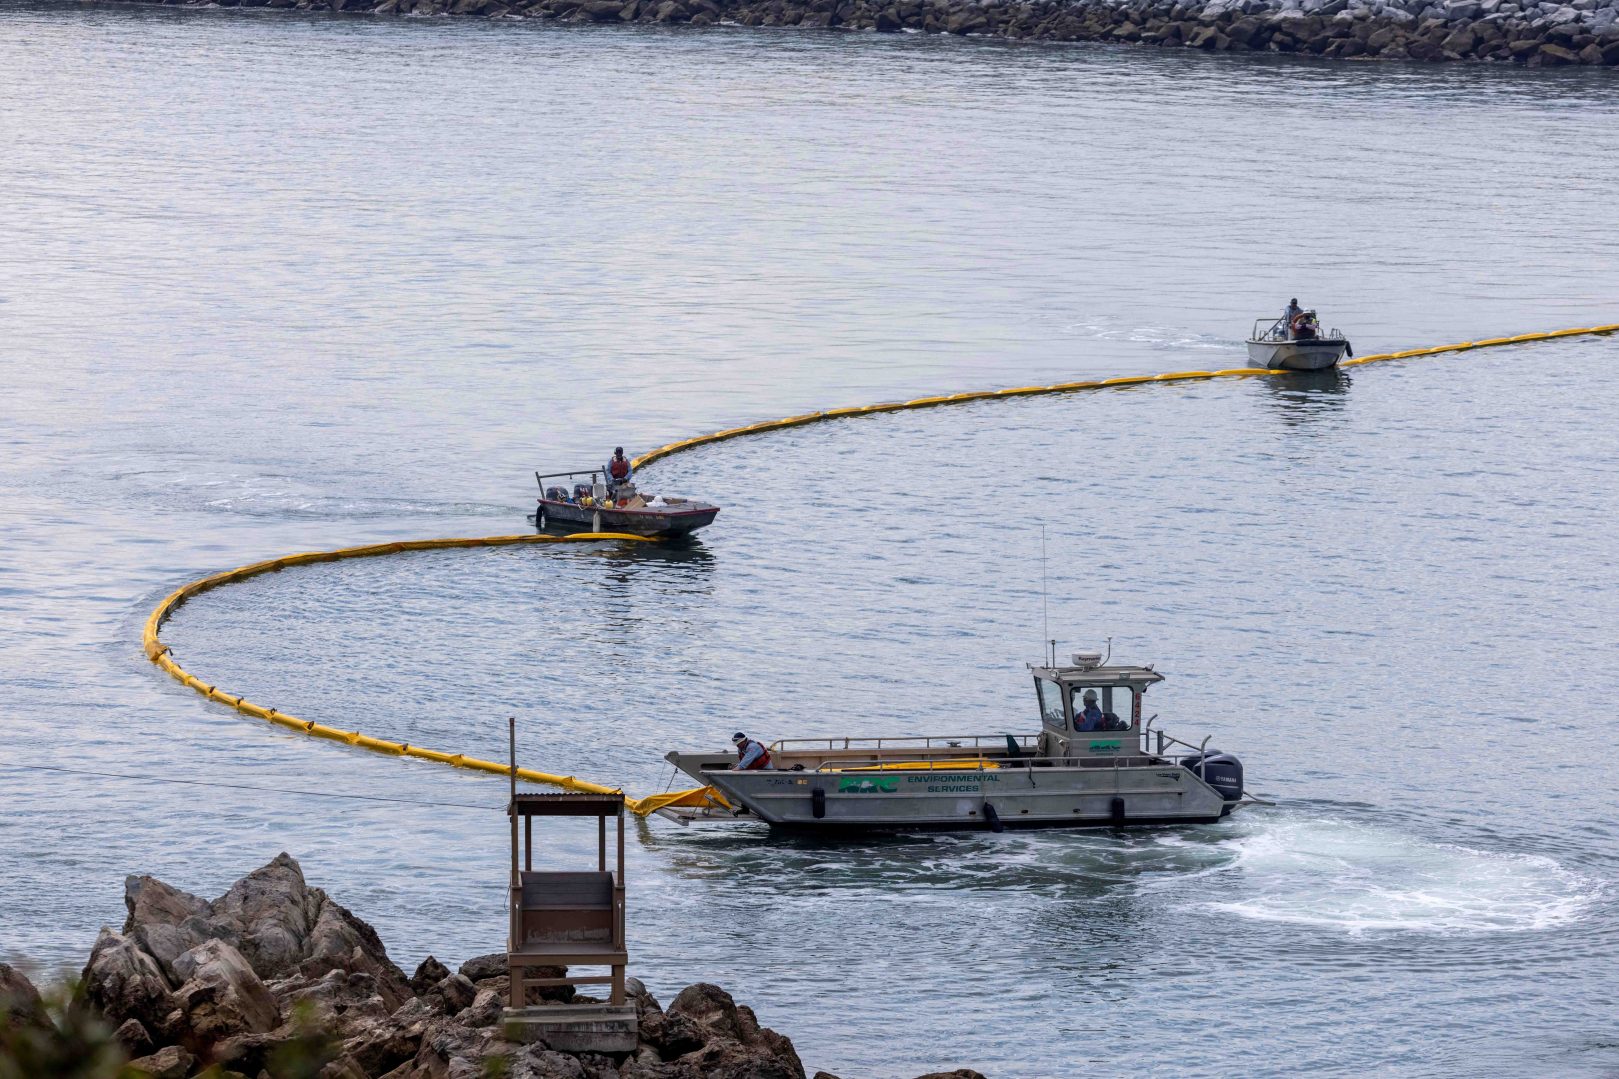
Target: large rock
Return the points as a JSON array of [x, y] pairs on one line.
[[734, 1046], [483, 967], [278, 924], [134, 1038], [170, 1062], [274, 914], [19, 1000], [427, 975], [486, 1009], [124, 982], [221, 995], [151, 902], [336, 1001], [379, 1046], [489, 972]]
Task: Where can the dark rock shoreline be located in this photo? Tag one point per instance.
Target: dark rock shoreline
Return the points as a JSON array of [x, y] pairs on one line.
[[1537, 33], [274, 980]]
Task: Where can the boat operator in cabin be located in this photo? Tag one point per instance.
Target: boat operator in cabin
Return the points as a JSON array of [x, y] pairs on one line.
[[750, 755], [1090, 717], [618, 470]]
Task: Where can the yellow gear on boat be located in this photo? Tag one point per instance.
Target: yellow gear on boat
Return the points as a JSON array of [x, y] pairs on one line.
[[917, 766]]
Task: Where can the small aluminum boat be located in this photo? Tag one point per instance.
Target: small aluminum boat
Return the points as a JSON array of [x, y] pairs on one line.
[[1075, 773], [590, 507], [1302, 347]]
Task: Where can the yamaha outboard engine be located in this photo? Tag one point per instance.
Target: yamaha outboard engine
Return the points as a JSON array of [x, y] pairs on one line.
[[1222, 771]]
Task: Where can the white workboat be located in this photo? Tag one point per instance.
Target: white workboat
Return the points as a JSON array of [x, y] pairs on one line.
[[1112, 770], [1299, 346]]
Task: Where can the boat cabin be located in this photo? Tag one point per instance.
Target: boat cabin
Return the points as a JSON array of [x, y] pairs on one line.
[[1091, 712]]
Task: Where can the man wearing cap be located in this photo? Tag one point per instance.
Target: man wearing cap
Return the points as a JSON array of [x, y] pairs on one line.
[[750, 755], [619, 471], [1090, 718], [1291, 312]]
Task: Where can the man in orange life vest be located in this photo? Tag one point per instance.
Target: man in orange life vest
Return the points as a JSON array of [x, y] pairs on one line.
[[750, 755], [619, 470]]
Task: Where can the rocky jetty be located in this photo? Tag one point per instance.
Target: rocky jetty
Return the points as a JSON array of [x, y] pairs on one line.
[[1533, 32], [275, 979]]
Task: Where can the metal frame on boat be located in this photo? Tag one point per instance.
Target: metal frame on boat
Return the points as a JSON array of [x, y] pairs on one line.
[[1126, 771]]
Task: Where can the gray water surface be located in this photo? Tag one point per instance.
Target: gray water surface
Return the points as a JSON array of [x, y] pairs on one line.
[[272, 283]]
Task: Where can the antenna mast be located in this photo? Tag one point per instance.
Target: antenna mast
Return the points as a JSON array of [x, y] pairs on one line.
[[1048, 645]]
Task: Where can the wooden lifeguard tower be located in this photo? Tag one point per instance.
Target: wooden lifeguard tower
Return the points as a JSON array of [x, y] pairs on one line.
[[567, 918]]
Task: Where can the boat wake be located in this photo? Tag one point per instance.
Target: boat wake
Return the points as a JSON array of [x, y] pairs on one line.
[[1162, 338], [1361, 879]]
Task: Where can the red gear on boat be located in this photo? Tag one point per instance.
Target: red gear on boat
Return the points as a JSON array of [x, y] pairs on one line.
[[764, 754]]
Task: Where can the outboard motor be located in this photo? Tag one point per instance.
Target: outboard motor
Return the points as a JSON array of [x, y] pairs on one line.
[[1222, 771]]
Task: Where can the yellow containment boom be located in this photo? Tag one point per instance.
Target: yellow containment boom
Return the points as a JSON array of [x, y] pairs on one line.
[[914, 766], [159, 653]]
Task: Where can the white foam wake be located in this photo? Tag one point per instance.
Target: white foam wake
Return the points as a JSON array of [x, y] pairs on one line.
[[1168, 338], [1361, 878]]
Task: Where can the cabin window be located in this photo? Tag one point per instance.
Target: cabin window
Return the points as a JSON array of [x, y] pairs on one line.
[[1115, 703], [1050, 703]]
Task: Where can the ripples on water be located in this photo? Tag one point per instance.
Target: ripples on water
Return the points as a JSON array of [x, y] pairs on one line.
[[286, 283]]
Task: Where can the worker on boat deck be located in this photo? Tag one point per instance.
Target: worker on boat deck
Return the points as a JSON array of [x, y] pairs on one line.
[[750, 755], [1089, 718], [619, 470], [1292, 312]]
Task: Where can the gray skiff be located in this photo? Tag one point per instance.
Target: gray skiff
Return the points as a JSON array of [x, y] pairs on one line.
[[1129, 772]]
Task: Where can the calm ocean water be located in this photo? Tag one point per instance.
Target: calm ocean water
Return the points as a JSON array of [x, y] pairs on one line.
[[273, 283]]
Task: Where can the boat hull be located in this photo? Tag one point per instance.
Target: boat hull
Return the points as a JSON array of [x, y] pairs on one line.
[[568, 517], [1124, 794], [1316, 355]]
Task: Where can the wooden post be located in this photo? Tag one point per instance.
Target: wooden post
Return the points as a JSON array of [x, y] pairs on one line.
[[511, 808], [514, 916], [617, 996], [528, 843], [601, 844]]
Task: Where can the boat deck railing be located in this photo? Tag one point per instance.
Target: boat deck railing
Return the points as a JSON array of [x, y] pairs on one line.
[[1274, 330], [909, 743], [1012, 764], [980, 752], [595, 475]]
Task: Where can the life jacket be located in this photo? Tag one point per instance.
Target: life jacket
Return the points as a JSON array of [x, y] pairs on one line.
[[619, 467], [762, 762]]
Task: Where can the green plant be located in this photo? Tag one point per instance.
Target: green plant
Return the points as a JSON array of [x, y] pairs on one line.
[[72, 1041]]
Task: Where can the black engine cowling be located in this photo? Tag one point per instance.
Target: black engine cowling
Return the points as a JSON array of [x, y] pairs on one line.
[[1222, 771]]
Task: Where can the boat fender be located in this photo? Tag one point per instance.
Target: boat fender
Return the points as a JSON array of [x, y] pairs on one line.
[[818, 802], [1349, 349], [993, 818], [1115, 810], [539, 517]]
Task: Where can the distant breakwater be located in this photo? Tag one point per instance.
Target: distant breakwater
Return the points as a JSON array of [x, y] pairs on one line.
[[1537, 34]]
